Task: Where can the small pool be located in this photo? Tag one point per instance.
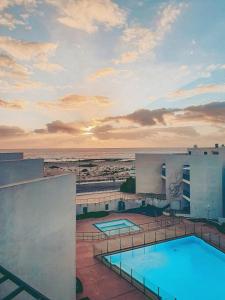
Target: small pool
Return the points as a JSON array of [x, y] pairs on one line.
[[186, 268], [115, 227]]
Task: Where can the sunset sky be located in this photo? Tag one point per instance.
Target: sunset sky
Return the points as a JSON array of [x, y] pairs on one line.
[[104, 73]]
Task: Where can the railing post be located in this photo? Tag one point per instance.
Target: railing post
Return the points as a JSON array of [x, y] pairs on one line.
[[144, 284], [155, 236], [110, 262], [219, 241], [132, 241], [144, 238], [201, 230], [120, 243], [131, 277], [120, 268], [175, 230], [158, 291], [185, 229], [107, 245]]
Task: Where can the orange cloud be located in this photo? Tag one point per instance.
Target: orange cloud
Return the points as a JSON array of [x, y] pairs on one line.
[[16, 104], [199, 90], [87, 15], [73, 101]]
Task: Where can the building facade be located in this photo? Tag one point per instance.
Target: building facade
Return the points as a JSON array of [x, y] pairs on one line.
[[193, 181], [37, 221]]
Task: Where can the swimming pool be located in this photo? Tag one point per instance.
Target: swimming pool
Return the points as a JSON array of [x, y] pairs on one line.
[[187, 268], [115, 227]]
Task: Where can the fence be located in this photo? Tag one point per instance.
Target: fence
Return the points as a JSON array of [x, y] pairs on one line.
[[110, 246], [130, 230]]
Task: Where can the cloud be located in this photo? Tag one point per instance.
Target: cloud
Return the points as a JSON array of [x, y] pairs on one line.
[[89, 15], [74, 101], [9, 21], [11, 131], [144, 117], [213, 113], [108, 132], [14, 76], [103, 73], [10, 68], [16, 104], [4, 4], [199, 90], [24, 50], [143, 40], [48, 67], [59, 126]]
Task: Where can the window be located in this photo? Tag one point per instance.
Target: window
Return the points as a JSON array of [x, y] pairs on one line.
[[189, 152], [85, 210], [107, 207], [205, 153], [215, 152], [143, 203]]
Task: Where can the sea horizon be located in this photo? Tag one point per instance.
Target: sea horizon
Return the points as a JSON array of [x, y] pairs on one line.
[[74, 154]]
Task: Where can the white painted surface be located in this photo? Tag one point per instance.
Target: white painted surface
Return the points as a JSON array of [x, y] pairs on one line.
[[37, 234], [148, 172], [12, 171]]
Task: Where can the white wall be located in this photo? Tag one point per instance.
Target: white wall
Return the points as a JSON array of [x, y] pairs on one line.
[[12, 171], [148, 172], [11, 155], [37, 234], [206, 186]]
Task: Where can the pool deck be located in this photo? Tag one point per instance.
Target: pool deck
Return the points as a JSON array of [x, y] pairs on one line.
[[99, 282], [86, 225]]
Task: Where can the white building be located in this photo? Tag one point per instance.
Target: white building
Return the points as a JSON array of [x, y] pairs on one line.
[[37, 221], [193, 181]]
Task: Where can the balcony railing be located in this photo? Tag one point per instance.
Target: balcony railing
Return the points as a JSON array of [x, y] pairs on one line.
[[186, 193], [163, 170], [186, 176]]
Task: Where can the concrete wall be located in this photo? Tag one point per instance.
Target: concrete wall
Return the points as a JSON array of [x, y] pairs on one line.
[[148, 172], [12, 171], [174, 176], [113, 205], [11, 156], [206, 186], [37, 234]]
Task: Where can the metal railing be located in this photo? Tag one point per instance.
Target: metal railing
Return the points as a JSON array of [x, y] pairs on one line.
[[111, 246], [143, 284], [130, 230], [20, 286]]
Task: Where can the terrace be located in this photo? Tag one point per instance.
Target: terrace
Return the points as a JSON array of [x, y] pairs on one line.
[[99, 276]]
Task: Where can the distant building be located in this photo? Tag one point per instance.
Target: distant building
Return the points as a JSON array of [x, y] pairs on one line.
[[193, 181], [37, 221]]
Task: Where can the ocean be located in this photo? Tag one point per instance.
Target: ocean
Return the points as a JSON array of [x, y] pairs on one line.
[[88, 153]]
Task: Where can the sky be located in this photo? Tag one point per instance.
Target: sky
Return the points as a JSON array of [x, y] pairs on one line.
[[111, 73]]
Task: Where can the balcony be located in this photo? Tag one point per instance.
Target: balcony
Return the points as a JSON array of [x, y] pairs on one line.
[[186, 194], [186, 173], [163, 171]]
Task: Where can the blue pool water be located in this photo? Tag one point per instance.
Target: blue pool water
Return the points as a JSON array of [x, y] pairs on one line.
[[117, 227], [186, 268]]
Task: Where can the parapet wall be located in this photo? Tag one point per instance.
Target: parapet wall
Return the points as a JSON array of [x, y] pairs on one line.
[[11, 156], [12, 171], [37, 221]]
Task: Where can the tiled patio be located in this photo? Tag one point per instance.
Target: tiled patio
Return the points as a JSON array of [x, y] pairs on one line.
[[99, 282]]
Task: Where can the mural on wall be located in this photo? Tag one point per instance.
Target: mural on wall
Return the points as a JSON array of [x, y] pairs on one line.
[[175, 188]]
